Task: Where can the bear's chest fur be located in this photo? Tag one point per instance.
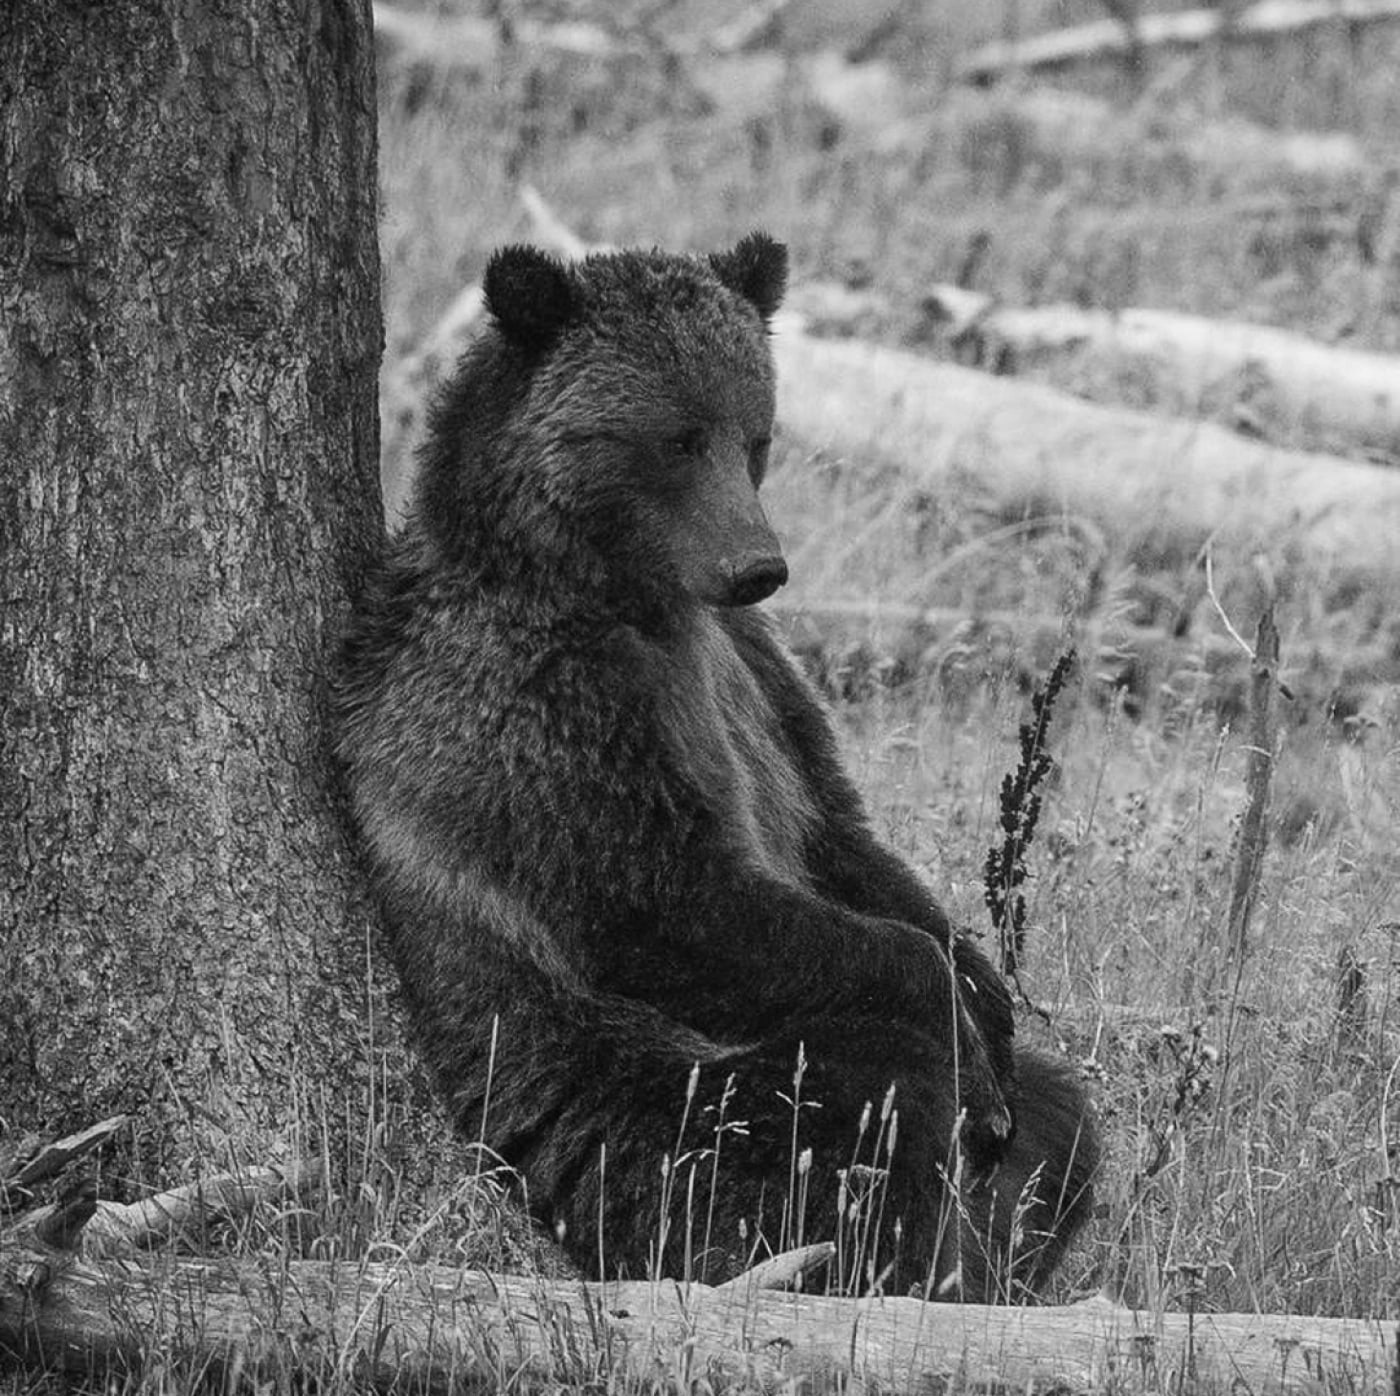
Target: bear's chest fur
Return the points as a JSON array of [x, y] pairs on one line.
[[728, 738]]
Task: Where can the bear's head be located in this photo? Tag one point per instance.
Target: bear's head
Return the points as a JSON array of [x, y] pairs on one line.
[[613, 423]]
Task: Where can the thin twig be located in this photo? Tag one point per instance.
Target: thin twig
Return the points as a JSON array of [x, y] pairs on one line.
[[1251, 650], [1220, 611]]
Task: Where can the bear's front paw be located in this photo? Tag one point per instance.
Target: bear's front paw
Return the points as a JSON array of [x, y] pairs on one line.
[[988, 1128]]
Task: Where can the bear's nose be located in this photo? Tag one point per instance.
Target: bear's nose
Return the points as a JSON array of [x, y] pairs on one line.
[[757, 580]]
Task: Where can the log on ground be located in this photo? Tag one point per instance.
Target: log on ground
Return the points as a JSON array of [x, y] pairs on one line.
[[1181, 29], [1288, 384], [464, 41], [438, 1327], [1072, 127], [1129, 472]]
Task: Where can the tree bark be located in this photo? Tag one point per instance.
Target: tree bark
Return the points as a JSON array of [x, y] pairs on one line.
[[190, 332]]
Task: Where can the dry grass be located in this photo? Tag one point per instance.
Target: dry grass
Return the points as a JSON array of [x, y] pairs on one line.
[[1250, 1107]]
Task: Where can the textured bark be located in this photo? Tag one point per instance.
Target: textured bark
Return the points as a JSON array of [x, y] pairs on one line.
[[189, 339]]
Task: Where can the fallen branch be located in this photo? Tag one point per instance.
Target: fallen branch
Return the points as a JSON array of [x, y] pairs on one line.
[[434, 1327], [41, 1161], [1183, 29], [1057, 124], [1286, 382], [781, 1271], [464, 41], [114, 1228]]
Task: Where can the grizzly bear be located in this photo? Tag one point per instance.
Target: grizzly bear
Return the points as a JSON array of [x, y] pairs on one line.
[[615, 846]]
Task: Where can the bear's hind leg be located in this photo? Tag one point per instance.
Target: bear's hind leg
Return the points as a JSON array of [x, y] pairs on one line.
[[1016, 1225]]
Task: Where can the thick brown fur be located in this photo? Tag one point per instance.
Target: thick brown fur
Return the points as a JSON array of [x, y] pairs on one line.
[[613, 839]]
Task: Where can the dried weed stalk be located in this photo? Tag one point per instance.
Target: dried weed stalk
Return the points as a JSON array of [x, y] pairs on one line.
[[1005, 872]]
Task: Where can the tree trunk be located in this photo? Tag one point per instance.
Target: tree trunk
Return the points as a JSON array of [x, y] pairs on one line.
[[190, 336]]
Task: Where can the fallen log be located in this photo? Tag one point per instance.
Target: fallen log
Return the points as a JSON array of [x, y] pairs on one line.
[[1129, 472], [1284, 385], [434, 1327], [1108, 38], [465, 41], [1071, 126]]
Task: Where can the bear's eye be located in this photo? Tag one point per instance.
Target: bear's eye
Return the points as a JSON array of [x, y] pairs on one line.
[[689, 445], [758, 459]]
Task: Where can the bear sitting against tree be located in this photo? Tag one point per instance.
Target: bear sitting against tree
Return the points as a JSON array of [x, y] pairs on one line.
[[615, 846]]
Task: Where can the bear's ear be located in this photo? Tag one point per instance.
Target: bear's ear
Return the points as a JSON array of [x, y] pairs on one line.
[[529, 294], [756, 269]]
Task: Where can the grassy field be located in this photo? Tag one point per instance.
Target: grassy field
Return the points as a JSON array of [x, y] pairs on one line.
[[1250, 1106]]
